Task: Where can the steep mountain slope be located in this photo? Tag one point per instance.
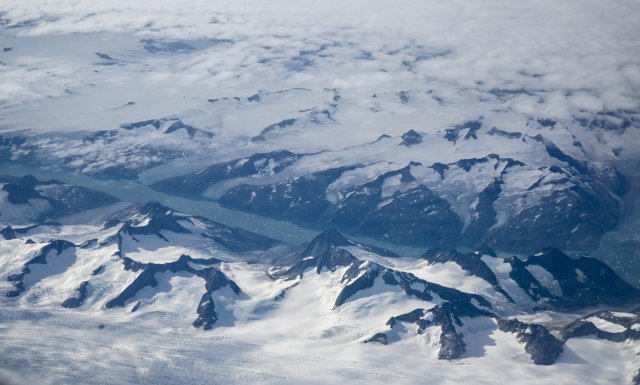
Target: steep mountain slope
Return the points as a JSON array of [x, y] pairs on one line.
[[398, 189], [147, 263], [26, 200], [491, 145]]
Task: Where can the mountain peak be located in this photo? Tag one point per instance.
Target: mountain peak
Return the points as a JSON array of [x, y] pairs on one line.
[[152, 208], [148, 210], [147, 218], [8, 233], [28, 181], [550, 254], [23, 190], [410, 138], [323, 251], [485, 250], [329, 238]]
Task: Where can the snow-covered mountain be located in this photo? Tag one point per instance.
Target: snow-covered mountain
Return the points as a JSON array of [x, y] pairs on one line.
[[398, 189], [147, 263], [323, 192]]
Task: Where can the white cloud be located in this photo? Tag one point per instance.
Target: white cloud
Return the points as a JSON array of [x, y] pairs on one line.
[[541, 58]]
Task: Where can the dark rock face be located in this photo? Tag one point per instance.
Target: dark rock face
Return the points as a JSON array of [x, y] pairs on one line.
[[578, 199], [468, 164], [543, 347], [414, 216], [380, 338], [237, 239], [326, 240], [78, 299], [410, 138], [300, 199], [214, 280], [526, 280], [447, 315], [469, 262], [611, 177], [584, 281], [207, 316], [555, 152], [587, 212], [361, 276], [63, 199], [147, 219], [152, 218], [8, 233], [57, 246], [360, 201], [589, 206], [471, 127], [173, 126], [452, 344], [179, 125], [25, 189], [617, 121], [584, 327], [506, 134], [485, 217], [545, 122], [273, 127], [198, 182], [326, 252], [411, 317], [322, 253]]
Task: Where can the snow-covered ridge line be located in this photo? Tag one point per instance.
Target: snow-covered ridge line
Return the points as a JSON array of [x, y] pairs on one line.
[[407, 197], [149, 262]]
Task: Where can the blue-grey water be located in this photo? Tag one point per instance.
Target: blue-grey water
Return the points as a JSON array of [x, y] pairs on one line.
[[617, 249], [133, 192]]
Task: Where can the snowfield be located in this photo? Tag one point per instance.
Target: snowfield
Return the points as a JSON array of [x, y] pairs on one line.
[[292, 329], [159, 351]]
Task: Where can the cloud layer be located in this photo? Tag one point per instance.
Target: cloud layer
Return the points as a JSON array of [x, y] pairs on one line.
[[451, 61]]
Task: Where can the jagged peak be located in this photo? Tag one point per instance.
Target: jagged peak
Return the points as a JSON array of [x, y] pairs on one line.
[[22, 189], [150, 209], [147, 217], [549, 254], [8, 233], [28, 181], [331, 237], [404, 172], [411, 137], [485, 250], [59, 245], [437, 251]]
